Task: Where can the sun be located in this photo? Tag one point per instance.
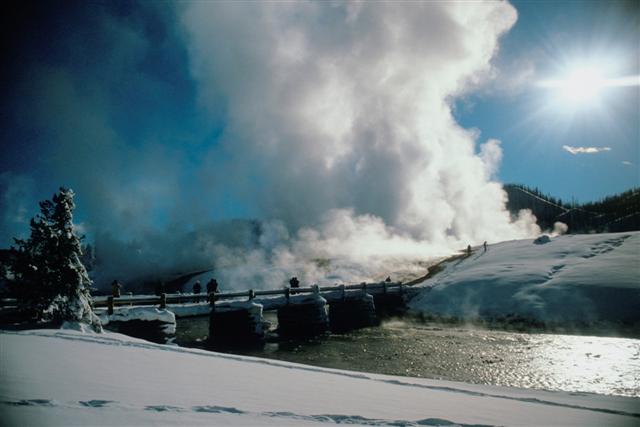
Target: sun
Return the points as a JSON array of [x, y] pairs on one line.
[[584, 86], [580, 87]]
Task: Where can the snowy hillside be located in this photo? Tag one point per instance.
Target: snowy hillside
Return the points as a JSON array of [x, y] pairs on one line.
[[572, 280], [69, 378]]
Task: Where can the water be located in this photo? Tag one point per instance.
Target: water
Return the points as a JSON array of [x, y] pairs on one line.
[[571, 363]]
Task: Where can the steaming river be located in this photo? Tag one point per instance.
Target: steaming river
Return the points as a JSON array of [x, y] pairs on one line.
[[543, 361]]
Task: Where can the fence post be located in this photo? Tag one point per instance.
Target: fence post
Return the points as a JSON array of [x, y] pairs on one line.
[[110, 305], [384, 288], [401, 288], [316, 289], [252, 294], [163, 300], [343, 289], [287, 294], [212, 298], [364, 287]]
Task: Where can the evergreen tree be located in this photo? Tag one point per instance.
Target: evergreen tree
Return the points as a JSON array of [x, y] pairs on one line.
[[48, 278]]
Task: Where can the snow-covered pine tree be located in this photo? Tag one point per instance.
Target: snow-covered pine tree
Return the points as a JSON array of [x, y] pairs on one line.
[[48, 278]]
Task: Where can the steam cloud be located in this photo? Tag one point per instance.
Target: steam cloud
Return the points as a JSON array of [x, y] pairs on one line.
[[337, 135]]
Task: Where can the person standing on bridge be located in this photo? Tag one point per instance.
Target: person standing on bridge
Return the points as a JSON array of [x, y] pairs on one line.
[[294, 282], [468, 250], [212, 286], [485, 245], [197, 287], [116, 288]]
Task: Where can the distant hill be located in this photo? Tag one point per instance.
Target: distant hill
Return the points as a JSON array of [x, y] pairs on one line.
[[615, 213]]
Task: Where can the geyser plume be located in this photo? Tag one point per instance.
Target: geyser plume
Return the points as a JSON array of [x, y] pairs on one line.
[[339, 121]]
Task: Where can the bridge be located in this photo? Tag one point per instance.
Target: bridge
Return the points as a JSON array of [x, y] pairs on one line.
[[237, 317]]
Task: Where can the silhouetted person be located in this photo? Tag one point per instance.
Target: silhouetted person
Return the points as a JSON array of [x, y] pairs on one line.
[[388, 279], [468, 249], [116, 287], [197, 287], [294, 282], [212, 286], [485, 245]]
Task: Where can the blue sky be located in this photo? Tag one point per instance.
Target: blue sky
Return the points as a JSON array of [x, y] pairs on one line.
[[549, 38], [99, 95]]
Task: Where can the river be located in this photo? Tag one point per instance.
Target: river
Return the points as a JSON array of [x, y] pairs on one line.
[[572, 363]]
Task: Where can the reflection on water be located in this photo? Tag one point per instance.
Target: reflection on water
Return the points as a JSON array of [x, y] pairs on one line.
[[544, 361]]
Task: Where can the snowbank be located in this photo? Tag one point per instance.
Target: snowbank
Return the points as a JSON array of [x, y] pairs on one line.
[[575, 280], [120, 380]]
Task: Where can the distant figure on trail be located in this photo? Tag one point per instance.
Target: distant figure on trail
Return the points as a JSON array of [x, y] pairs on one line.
[[485, 245], [116, 287], [212, 286], [197, 287], [388, 279], [294, 282], [468, 249], [159, 288]]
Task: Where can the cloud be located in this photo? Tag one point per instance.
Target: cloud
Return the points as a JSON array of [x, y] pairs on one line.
[[585, 150], [627, 163]]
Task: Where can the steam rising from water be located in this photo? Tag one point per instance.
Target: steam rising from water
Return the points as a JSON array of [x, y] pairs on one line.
[[339, 119]]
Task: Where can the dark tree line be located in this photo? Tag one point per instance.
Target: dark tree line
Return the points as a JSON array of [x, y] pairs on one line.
[[617, 213]]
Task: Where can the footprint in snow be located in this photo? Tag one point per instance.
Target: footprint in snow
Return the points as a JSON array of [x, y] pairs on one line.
[[217, 409], [30, 402], [96, 403], [164, 408]]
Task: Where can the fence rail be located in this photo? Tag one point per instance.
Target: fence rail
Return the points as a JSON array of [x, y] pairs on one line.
[[162, 300]]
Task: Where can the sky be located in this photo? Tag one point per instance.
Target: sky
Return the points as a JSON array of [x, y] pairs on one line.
[[550, 40], [350, 129]]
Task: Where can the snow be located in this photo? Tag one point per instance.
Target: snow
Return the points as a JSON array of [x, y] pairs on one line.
[[63, 377], [566, 280], [149, 314]]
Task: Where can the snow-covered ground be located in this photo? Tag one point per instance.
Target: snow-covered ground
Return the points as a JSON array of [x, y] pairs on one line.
[[578, 280], [58, 377]]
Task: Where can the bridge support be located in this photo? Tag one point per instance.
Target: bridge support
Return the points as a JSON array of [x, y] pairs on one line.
[[303, 316], [236, 323], [353, 313], [390, 305]]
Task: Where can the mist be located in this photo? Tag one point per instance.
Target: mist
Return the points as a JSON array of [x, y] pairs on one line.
[[309, 139]]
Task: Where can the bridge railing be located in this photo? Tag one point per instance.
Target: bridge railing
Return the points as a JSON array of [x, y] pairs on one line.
[[110, 302], [162, 300]]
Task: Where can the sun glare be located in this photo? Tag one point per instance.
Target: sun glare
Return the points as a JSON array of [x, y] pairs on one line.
[[584, 86]]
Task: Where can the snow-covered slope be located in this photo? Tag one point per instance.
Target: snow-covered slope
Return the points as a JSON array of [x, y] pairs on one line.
[[574, 280], [69, 378]]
